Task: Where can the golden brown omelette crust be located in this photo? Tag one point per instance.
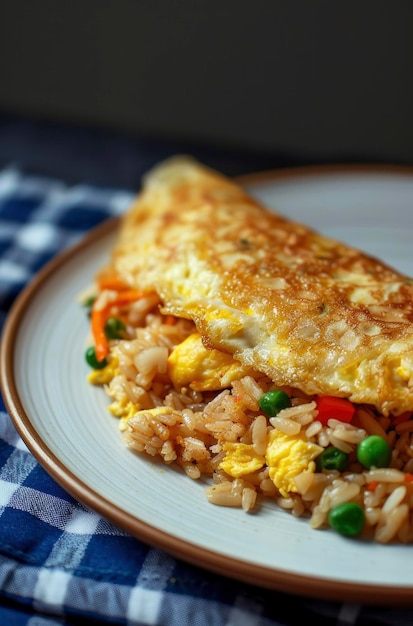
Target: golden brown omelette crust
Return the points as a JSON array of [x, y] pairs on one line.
[[308, 311]]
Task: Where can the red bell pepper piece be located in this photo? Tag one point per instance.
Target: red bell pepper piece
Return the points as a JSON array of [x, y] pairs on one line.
[[330, 407]]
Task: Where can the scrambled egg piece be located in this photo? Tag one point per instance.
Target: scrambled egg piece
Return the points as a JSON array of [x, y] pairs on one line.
[[241, 459], [159, 410], [105, 375], [124, 409], [287, 456], [191, 364]]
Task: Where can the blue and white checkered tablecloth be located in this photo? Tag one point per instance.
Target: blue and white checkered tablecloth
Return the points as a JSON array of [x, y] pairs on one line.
[[61, 563]]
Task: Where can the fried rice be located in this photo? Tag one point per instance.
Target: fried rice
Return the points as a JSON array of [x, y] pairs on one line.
[[223, 435]]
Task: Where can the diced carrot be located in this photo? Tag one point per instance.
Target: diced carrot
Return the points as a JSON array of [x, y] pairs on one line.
[[99, 318], [112, 282], [371, 486], [98, 321], [129, 295], [330, 407], [408, 478]]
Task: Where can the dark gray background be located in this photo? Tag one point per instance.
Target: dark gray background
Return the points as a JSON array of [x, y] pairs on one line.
[[320, 80]]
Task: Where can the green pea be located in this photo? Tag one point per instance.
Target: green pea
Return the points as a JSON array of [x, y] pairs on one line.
[[374, 451], [347, 518], [91, 359], [272, 402], [332, 459], [88, 304], [114, 328], [89, 301]]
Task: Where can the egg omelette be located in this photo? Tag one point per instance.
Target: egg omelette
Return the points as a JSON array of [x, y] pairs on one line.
[[307, 311]]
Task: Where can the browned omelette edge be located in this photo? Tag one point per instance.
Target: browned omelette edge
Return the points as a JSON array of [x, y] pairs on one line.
[[247, 572]]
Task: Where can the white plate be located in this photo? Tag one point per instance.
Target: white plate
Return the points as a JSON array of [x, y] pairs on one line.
[[64, 420]]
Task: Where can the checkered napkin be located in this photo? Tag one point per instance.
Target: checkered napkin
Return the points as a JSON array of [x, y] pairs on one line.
[[61, 563]]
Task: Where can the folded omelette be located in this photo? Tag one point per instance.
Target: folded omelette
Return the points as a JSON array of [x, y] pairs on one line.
[[307, 311]]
